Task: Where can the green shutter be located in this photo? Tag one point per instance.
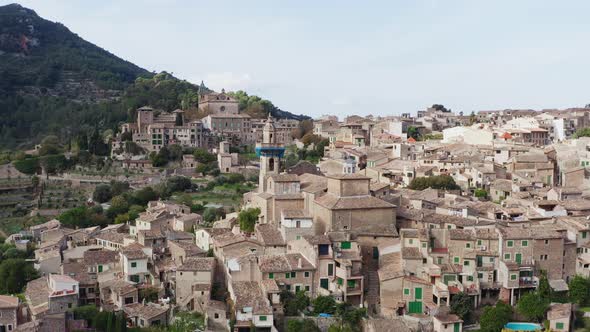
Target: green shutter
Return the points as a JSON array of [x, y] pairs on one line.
[[418, 293], [330, 269], [518, 258], [340, 281], [415, 307], [559, 326], [287, 275], [263, 318], [324, 283], [351, 284], [457, 327], [271, 275], [345, 245], [100, 268]]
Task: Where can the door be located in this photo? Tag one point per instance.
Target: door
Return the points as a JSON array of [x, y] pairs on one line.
[[479, 261], [375, 252], [457, 327], [418, 293], [518, 258], [415, 307]]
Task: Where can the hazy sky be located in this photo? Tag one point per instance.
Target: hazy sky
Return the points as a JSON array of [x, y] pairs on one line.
[[353, 57]]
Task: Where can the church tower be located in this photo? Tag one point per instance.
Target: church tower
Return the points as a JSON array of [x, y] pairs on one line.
[[270, 153]]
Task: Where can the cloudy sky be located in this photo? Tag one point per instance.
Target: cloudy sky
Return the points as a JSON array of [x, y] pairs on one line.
[[353, 57]]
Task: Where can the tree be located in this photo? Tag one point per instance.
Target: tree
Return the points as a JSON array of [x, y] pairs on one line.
[[436, 182], [481, 193], [532, 306], [119, 205], [297, 325], [102, 193], [143, 196], [413, 132], [203, 156], [495, 318], [580, 290], [15, 273], [175, 152], [248, 218], [324, 305], [462, 306], [293, 304], [582, 132], [119, 187], [544, 287], [49, 145]]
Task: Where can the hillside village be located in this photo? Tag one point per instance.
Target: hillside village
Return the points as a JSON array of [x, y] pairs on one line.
[[425, 222]]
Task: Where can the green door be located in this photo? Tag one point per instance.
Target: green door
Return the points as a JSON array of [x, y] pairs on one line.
[[375, 252], [100, 268], [418, 292], [415, 307], [457, 327], [518, 258], [324, 283], [479, 261]]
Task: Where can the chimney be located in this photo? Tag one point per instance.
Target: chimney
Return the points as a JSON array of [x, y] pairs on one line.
[[299, 262]]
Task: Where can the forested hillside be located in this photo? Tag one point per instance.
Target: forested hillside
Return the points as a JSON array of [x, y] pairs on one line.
[[54, 82]]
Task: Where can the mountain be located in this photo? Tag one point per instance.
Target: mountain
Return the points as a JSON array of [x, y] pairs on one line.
[[54, 82]]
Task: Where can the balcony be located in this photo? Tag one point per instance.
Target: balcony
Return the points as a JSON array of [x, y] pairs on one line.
[[528, 282]]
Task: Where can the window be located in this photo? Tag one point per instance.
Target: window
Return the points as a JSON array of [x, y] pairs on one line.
[[216, 315], [559, 326], [340, 281], [456, 260], [524, 243], [293, 274], [479, 242], [406, 291], [423, 244], [467, 245], [324, 283], [439, 260], [510, 243], [306, 274], [584, 235], [411, 241], [330, 270], [263, 318], [351, 284], [506, 257], [287, 275], [513, 277], [271, 275], [466, 263], [133, 264], [479, 275], [345, 245], [469, 278]]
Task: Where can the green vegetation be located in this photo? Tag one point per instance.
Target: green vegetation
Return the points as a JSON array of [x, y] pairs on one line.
[[579, 290], [248, 218], [294, 304], [313, 155], [350, 318], [324, 305], [495, 318], [445, 182], [480, 193], [297, 325], [533, 306], [15, 271], [257, 107], [462, 306], [582, 132]]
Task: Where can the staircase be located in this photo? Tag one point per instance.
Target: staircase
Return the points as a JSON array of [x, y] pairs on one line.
[[371, 266]]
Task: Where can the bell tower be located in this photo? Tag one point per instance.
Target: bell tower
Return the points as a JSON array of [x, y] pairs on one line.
[[270, 153]]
